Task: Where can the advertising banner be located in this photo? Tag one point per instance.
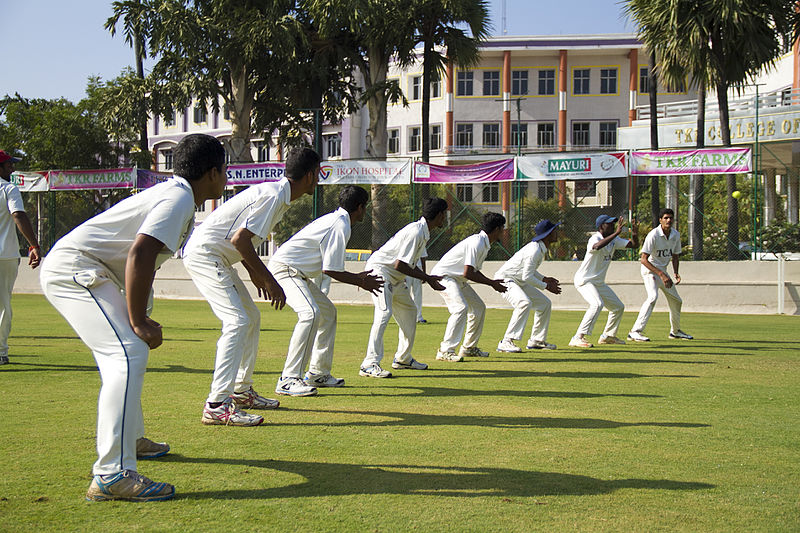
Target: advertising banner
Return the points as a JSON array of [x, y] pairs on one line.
[[492, 171], [700, 161], [111, 178], [365, 172], [30, 181], [147, 178], [572, 166], [252, 173]]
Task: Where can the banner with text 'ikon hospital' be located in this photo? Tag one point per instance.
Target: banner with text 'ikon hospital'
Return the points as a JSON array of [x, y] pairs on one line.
[[700, 161], [111, 178], [365, 172], [490, 172], [572, 166]]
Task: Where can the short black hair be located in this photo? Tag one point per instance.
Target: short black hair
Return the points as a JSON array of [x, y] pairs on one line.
[[196, 154], [352, 197], [433, 206], [666, 211], [492, 221], [300, 161]]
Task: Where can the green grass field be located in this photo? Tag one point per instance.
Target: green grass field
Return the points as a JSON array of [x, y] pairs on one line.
[[669, 436]]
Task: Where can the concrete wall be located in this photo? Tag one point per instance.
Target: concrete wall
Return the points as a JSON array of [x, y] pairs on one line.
[[748, 287]]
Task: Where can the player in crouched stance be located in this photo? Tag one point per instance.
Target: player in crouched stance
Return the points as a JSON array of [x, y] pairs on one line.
[[524, 292], [661, 246], [99, 277]]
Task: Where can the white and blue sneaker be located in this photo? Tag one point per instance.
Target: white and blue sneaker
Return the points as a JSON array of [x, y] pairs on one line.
[[374, 371], [680, 335], [413, 365], [322, 380], [294, 387], [128, 485]]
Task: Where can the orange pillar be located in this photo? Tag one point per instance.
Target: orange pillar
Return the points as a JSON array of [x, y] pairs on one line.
[[562, 120]]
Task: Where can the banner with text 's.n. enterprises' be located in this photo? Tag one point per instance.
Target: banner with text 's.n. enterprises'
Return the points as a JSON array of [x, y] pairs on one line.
[[571, 166], [492, 171], [110, 178], [700, 161], [252, 173], [30, 181]]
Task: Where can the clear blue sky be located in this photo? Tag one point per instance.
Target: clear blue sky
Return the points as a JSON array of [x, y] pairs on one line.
[[51, 47]]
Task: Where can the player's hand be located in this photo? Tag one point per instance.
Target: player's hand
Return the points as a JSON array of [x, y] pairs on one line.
[[498, 285], [150, 332], [370, 282], [433, 281], [667, 281], [34, 257], [677, 278], [620, 225], [553, 285], [273, 292]]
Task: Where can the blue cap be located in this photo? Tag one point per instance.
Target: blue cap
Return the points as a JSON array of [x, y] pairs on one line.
[[603, 219], [543, 229]]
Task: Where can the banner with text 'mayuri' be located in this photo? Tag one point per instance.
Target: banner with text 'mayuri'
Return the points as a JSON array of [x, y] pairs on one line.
[[571, 166]]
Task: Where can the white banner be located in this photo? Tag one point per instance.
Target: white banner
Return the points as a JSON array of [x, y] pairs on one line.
[[30, 181], [365, 172], [572, 166]]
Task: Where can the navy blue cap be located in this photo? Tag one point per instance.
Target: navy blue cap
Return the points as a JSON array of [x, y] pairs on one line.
[[603, 219], [543, 229]]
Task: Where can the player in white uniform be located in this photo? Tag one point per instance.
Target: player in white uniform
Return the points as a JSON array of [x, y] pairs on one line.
[[525, 286], [100, 276], [415, 288], [459, 265], [590, 280], [227, 236], [661, 246], [11, 218], [316, 249], [392, 262]]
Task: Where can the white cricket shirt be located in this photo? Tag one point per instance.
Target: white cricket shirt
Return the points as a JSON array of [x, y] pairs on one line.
[[407, 245], [12, 201], [661, 248], [258, 208], [595, 263], [164, 212], [318, 246], [472, 251], [522, 266]]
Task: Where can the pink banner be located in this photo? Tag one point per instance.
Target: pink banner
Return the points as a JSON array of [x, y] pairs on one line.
[[491, 171], [700, 161], [147, 178], [250, 174], [110, 178]]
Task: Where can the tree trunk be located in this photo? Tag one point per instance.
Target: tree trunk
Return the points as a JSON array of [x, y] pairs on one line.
[[698, 183], [377, 135], [733, 204], [138, 47], [241, 112], [655, 200]]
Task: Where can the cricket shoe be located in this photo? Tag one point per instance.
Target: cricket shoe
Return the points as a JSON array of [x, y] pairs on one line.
[[322, 380], [472, 351], [3, 359], [250, 399], [294, 387], [422, 321], [540, 345], [680, 335], [448, 356], [227, 414], [610, 339], [580, 342], [374, 371], [637, 337], [128, 485], [412, 365], [147, 449], [507, 345]]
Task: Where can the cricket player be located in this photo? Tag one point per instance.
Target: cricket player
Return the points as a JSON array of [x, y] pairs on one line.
[[457, 267], [393, 262], [590, 280], [229, 235], [661, 246], [415, 288], [316, 249], [100, 276], [525, 286]]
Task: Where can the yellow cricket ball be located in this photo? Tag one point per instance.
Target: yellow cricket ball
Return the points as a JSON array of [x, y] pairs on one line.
[[736, 194]]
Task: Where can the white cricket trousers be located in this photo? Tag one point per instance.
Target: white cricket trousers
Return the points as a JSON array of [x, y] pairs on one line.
[[415, 288], [598, 295], [8, 275], [88, 297], [394, 300], [237, 347], [467, 312], [315, 331], [522, 298], [652, 284]]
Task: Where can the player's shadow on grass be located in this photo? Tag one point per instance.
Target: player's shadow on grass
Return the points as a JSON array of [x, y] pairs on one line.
[[14, 366], [461, 372], [337, 479], [616, 360], [390, 418], [414, 391]]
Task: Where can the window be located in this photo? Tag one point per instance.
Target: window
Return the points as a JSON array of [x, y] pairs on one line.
[[545, 134], [547, 81], [168, 161], [491, 193], [333, 145], [394, 141], [463, 135], [169, 118], [415, 139], [464, 83], [200, 114], [519, 189], [580, 79], [644, 80], [547, 190], [519, 82], [580, 134], [491, 83], [680, 88], [491, 135], [464, 192], [262, 151], [608, 134], [608, 81], [436, 137], [436, 88], [519, 134], [584, 188], [416, 87]]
